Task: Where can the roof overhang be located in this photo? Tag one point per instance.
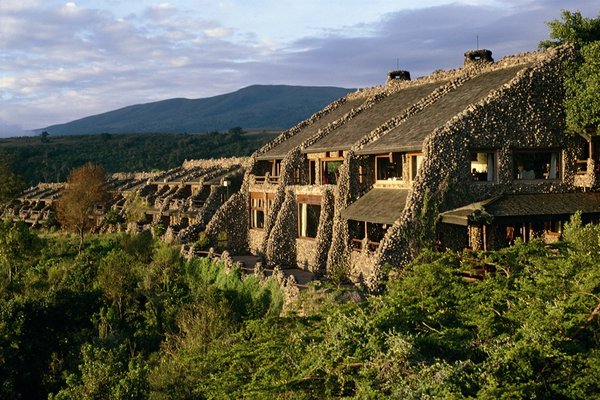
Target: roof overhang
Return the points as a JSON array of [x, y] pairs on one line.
[[379, 206], [514, 208], [368, 150]]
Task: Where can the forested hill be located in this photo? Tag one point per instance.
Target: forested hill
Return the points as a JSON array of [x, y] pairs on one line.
[[50, 159], [254, 107]]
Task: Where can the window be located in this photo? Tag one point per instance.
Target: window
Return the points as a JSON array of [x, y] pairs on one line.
[[257, 211], [275, 167], [553, 227], [388, 167], [415, 165], [530, 165], [309, 212], [330, 172], [483, 166], [309, 220], [312, 172]]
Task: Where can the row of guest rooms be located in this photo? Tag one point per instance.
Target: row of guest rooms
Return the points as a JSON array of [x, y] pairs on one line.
[[396, 170], [403, 167]]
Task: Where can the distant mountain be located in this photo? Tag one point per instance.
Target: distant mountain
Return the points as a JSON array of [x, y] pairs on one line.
[[253, 107]]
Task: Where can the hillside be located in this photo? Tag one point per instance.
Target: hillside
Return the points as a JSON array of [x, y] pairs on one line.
[[51, 160], [253, 107]]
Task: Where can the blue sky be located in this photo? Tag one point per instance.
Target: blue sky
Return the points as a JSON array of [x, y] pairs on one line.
[[63, 60]]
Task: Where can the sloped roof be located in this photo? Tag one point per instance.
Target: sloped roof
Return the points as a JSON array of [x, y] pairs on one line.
[[380, 206], [349, 133], [411, 133], [514, 207], [284, 147]]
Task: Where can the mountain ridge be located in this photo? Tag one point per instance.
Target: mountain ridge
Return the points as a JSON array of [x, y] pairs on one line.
[[253, 107]]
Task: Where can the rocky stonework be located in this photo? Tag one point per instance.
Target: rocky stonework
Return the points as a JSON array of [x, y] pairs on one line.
[[590, 179], [524, 113], [281, 244], [318, 263], [232, 220], [256, 238], [295, 160], [182, 199]]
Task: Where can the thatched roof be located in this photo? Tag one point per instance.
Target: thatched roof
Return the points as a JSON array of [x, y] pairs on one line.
[[380, 206], [284, 147], [411, 133], [527, 207], [349, 133]]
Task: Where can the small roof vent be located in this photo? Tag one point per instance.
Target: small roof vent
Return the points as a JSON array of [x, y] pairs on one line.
[[399, 75], [478, 56]]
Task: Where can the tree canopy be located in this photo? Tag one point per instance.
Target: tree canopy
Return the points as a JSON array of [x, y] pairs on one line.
[[12, 183], [84, 190], [574, 28], [582, 83], [129, 318]]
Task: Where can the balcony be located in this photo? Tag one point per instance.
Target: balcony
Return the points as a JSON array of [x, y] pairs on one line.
[[266, 179], [361, 246]]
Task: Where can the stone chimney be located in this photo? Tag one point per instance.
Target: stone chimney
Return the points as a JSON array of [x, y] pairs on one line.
[[482, 56], [398, 75]]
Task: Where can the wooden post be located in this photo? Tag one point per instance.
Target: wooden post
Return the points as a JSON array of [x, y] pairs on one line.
[[484, 237]]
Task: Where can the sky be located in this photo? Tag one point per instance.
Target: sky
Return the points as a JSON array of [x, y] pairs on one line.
[[64, 60]]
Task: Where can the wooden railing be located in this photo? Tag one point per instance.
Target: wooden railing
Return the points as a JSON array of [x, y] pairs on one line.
[[357, 245], [266, 179]]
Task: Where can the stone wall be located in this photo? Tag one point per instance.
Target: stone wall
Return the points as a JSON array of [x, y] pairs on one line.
[[524, 113], [255, 240], [231, 218], [281, 244], [318, 262]]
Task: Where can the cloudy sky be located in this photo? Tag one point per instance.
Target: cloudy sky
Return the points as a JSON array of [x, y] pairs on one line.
[[63, 60]]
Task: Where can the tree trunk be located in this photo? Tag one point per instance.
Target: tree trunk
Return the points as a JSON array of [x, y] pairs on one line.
[[81, 234]]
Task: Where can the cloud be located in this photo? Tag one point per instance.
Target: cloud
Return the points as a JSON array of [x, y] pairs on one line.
[[419, 40], [57, 66]]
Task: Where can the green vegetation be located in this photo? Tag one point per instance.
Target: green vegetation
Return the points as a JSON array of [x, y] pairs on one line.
[[128, 318], [582, 84], [85, 189], [52, 160], [12, 184]]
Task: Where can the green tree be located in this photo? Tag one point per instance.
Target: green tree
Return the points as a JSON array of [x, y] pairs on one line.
[[135, 207], [84, 190], [574, 28], [12, 184], [107, 374], [44, 135], [582, 83], [582, 102], [17, 246]]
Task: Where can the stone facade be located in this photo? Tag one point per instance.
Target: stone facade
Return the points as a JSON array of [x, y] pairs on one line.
[[288, 206], [524, 113], [183, 200]]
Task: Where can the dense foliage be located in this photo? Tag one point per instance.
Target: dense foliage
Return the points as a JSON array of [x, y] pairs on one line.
[[94, 324], [582, 84], [128, 318], [85, 189], [582, 102], [12, 184], [50, 159]]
